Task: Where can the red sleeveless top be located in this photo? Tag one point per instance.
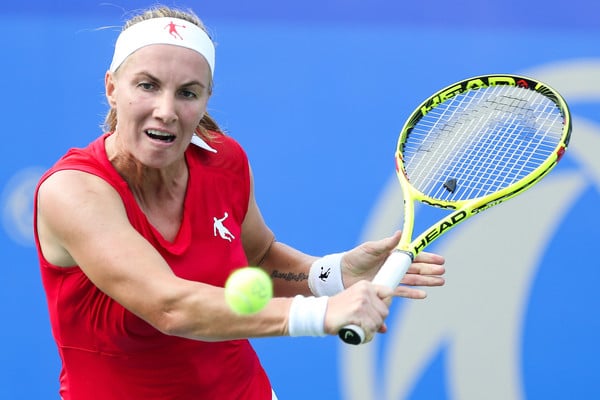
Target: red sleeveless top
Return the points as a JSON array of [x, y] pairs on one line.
[[109, 353]]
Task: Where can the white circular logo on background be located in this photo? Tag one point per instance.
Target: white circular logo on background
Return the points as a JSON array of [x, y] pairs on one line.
[[17, 205]]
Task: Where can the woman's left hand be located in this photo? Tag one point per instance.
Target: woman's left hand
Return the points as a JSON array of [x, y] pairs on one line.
[[364, 261]]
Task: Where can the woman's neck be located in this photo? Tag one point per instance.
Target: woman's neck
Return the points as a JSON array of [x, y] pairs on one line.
[[148, 184]]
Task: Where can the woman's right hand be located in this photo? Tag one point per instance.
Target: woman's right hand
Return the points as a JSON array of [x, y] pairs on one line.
[[363, 304]]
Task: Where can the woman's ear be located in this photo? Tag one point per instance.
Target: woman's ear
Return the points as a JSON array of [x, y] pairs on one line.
[[109, 87]]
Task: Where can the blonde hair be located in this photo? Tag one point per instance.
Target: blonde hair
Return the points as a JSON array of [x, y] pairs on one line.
[[207, 125]]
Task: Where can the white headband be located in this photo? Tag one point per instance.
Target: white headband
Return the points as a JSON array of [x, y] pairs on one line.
[[174, 31]]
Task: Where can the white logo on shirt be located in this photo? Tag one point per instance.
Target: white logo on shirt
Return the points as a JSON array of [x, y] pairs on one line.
[[219, 228]]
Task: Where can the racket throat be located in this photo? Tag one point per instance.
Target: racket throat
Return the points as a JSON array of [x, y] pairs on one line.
[[438, 229]]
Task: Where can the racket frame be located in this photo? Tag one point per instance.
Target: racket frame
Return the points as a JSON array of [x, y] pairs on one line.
[[464, 209]]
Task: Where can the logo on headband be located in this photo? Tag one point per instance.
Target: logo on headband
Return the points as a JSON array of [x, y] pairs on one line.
[[173, 30]]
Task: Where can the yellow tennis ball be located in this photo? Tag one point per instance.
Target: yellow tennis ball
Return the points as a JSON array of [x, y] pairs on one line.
[[248, 290]]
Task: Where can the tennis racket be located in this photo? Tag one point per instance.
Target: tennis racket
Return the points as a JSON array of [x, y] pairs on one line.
[[471, 146]]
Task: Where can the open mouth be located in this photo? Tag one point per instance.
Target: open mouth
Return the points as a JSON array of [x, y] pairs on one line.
[[159, 135]]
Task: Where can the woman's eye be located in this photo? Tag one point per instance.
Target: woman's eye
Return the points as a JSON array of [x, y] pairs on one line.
[[146, 85], [188, 94]]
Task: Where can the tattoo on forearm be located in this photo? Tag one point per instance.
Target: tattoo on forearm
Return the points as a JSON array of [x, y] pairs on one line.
[[289, 276]]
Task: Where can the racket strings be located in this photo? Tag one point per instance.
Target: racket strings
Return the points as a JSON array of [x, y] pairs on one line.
[[483, 140], [497, 151]]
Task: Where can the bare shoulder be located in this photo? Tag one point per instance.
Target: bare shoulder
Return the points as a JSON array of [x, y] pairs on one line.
[[75, 193], [72, 206], [71, 181]]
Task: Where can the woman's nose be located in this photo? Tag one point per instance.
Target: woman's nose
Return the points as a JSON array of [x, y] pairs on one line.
[[165, 109]]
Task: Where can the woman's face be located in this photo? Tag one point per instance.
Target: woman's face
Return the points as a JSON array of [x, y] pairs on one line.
[[160, 94]]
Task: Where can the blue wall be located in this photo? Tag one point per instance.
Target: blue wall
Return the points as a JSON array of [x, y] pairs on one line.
[[316, 91]]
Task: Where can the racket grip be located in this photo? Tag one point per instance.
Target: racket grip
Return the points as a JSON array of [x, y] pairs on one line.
[[393, 269], [390, 274]]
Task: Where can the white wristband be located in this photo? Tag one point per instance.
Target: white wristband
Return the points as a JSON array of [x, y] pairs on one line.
[[307, 316], [325, 276]]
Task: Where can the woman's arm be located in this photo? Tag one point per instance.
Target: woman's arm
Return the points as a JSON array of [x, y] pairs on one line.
[[290, 268], [82, 221]]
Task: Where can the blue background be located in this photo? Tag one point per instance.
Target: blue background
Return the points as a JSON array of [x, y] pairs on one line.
[[316, 91]]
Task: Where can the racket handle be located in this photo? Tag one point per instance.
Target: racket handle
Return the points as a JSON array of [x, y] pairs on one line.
[[352, 334], [393, 269], [390, 274]]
